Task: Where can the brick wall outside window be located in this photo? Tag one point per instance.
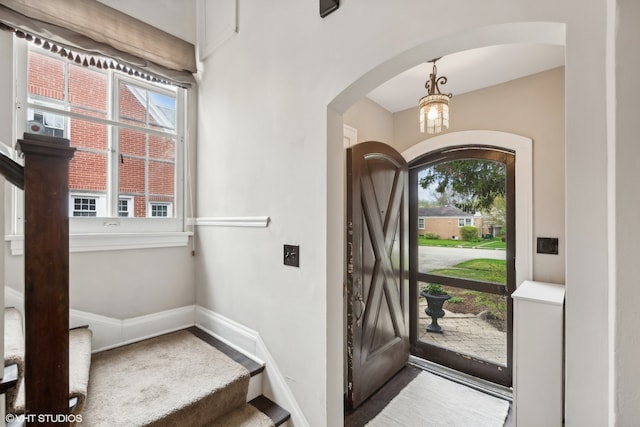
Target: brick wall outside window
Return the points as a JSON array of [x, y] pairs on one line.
[[141, 153]]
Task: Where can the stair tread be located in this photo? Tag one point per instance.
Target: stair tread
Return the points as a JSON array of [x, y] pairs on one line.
[[251, 365], [174, 379], [271, 409]]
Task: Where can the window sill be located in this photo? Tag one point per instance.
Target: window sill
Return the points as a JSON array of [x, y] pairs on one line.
[[96, 242]]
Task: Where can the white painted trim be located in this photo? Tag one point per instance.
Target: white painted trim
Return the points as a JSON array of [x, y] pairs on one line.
[[280, 391], [523, 147], [232, 221], [226, 330], [350, 136], [109, 332], [217, 22], [95, 242], [249, 341]]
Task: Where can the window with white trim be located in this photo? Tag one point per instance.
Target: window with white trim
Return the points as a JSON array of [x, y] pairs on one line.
[[160, 210], [129, 136], [465, 221], [421, 223], [84, 206], [87, 205], [125, 207]]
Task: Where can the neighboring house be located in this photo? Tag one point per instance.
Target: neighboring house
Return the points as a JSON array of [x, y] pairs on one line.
[[446, 221]]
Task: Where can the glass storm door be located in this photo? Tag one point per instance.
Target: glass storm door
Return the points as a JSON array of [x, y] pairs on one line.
[[462, 242]]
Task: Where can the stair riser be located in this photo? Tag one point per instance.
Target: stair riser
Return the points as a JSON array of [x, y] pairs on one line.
[[255, 387]]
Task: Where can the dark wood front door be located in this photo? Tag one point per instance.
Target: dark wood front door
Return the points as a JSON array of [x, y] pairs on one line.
[[377, 273]]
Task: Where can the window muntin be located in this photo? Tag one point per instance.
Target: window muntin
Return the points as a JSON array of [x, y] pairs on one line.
[[84, 206], [128, 140], [157, 209], [125, 207], [87, 205], [147, 168]]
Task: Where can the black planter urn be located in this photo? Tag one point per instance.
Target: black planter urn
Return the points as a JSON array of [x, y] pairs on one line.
[[434, 310]]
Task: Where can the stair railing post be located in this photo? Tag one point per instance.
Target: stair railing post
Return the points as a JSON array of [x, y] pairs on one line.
[[46, 293]]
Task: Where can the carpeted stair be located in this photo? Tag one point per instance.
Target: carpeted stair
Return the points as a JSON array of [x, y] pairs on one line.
[[174, 379]]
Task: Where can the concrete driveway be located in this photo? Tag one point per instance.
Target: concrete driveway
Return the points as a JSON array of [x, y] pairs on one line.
[[432, 257]]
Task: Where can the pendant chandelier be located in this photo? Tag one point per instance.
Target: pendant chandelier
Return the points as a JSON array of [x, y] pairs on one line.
[[434, 108]]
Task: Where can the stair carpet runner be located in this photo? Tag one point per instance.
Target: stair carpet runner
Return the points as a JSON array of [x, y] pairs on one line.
[[173, 379]]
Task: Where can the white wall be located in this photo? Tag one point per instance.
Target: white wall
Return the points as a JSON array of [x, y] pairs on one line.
[[6, 117], [624, 207], [263, 110], [373, 122], [532, 107], [122, 284]]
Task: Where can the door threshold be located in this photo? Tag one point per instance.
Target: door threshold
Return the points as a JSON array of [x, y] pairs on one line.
[[479, 384]]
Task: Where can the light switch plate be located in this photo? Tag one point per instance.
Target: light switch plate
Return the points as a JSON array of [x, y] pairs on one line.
[[292, 255], [547, 245]]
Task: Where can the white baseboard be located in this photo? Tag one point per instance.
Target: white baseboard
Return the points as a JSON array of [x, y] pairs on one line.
[[280, 391], [228, 331], [109, 332], [249, 342]]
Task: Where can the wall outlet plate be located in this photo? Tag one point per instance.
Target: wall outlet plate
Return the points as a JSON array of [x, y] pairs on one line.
[[292, 255], [547, 245]]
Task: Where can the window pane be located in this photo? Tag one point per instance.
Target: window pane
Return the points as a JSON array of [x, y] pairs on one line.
[[45, 77], [448, 204], [147, 170], [88, 168], [463, 202], [45, 123], [159, 210], [163, 110], [83, 206], [148, 109], [475, 324], [87, 91]]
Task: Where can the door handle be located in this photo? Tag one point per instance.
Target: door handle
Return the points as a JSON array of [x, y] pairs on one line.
[[358, 299]]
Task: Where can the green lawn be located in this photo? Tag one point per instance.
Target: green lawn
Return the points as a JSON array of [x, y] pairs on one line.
[[467, 301], [496, 243], [486, 270]]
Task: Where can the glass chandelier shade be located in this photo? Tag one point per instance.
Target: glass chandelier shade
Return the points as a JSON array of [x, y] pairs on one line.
[[434, 108]]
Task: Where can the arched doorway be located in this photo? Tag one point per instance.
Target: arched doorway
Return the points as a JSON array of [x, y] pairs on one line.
[[512, 151], [545, 33]]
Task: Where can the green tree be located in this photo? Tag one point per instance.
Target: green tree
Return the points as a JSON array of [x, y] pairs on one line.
[[496, 215], [472, 184]]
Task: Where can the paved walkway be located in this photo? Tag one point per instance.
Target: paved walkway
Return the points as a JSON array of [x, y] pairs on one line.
[[466, 333]]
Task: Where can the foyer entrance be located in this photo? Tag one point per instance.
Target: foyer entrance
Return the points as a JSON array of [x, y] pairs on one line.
[[387, 267]]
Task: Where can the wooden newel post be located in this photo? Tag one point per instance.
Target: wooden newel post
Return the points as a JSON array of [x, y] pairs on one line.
[[46, 293]]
